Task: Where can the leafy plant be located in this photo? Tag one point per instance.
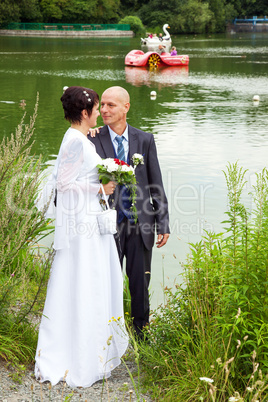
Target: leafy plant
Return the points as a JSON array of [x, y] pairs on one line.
[[210, 339]]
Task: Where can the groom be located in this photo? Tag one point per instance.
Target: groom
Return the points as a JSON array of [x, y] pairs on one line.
[[119, 140]]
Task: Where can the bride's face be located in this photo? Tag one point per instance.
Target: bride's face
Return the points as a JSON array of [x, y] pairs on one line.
[[92, 120]]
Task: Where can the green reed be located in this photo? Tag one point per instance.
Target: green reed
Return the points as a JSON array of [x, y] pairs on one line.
[[24, 266]]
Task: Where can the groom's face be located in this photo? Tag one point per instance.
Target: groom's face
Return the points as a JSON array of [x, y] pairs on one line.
[[113, 108]]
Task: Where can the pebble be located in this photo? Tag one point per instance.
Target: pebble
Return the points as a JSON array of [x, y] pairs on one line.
[[118, 387]]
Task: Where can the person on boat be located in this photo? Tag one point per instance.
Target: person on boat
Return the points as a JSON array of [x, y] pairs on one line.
[[160, 37], [173, 51], [161, 49]]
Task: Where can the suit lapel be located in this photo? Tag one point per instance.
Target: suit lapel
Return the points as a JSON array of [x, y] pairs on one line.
[[133, 143], [106, 143]]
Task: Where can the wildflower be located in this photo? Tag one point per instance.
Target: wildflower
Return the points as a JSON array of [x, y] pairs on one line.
[[249, 389], [206, 379], [239, 343], [238, 313], [245, 337], [255, 367], [228, 361], [219, 360]]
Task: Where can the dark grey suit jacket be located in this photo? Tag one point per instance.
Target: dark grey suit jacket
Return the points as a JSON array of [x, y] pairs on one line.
[[152, 205]]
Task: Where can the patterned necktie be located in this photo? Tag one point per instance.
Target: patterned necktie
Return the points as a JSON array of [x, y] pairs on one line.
[[120, 148]]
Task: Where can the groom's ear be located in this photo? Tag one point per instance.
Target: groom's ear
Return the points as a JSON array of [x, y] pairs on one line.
[[127, 107]]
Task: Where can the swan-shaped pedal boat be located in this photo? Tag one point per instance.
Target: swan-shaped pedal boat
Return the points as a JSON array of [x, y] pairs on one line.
[[165, 40], [138, 58]]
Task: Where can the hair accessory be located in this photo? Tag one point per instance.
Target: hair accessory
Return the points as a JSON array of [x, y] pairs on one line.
[[64, 88], [87, 95]]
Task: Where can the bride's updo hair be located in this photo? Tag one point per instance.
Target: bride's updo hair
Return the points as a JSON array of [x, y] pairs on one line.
[[76, 99]]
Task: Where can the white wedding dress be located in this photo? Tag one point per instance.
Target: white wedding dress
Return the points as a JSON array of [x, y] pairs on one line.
[[82, 333]]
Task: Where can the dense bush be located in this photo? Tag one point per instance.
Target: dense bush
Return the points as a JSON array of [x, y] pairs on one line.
[[210, 340], [135, 24]]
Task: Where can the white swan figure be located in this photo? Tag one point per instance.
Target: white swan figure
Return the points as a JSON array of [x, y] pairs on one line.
[[166, 39]]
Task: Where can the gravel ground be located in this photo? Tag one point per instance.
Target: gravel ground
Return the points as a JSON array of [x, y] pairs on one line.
[[118, 387]]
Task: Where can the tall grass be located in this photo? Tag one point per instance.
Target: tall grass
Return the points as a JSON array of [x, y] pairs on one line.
[[209, 341], [23, 266]]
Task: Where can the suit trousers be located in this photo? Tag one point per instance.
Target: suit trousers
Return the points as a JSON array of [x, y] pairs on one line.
[[138, 270]]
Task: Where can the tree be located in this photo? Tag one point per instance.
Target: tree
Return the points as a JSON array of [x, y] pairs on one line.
[[107, 11], [77, 11], [51, 10], [157, 13], [197, 17], [217, 8], [9, 11], [30, 10]]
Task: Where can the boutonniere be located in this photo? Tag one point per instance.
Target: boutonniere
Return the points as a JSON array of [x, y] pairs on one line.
[[137, 159]]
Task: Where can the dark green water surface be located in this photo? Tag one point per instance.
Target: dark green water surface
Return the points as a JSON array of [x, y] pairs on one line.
[[203, 116]]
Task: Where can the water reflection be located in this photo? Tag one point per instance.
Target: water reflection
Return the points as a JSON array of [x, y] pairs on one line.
[[163, 76]]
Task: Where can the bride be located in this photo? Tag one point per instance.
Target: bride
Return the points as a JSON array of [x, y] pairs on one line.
[[82, 334]]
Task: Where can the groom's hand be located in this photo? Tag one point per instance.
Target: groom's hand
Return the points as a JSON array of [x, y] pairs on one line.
[[162, 239], [93, 131]]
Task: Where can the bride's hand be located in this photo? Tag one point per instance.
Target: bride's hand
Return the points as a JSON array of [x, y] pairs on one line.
[[109, 187], [93, 131]]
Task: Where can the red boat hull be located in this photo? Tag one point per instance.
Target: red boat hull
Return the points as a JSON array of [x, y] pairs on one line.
[[138, 58]]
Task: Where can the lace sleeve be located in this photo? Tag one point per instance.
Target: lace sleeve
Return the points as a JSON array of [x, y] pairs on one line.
[[70, 164]]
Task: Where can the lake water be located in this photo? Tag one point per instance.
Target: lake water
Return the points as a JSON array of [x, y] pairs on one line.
[[203, 117]]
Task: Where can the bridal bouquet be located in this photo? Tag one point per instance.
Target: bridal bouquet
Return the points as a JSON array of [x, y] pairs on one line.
[[120, 172]]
